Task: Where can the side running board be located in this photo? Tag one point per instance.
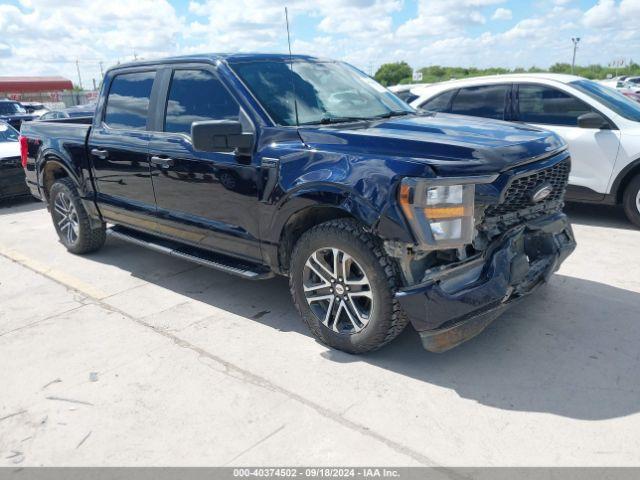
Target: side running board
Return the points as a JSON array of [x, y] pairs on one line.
[[196, 255]]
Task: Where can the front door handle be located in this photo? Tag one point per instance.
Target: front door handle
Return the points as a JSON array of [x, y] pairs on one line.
[[101, 154], [163, 162]]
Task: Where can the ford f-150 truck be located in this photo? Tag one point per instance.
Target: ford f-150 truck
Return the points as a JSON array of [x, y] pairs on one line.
[[258, 164]]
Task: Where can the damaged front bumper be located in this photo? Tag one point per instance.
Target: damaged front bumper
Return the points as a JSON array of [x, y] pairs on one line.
[[458, 302]]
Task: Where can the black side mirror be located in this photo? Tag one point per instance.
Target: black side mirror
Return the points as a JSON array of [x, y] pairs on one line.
[[593, 120], [220, 136]]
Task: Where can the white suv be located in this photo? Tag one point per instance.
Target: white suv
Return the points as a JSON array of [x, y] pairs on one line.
[[601, 126]]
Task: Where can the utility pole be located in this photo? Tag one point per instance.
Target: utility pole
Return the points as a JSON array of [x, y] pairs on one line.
[[79, 77], [101, 70], [575, 41]]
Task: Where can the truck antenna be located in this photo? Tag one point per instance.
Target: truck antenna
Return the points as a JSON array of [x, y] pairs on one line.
[[293, 84]]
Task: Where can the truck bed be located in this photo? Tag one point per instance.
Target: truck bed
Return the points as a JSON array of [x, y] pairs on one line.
[[82, 120], [67, 137]]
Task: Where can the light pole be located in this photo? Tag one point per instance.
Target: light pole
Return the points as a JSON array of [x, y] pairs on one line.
[[575, 41], [79, 77]]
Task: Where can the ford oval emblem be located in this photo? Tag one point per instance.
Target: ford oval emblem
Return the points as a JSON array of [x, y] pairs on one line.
[[540, 193]]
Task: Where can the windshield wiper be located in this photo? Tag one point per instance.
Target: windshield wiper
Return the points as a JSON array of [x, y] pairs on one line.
[[393, 113], [330, 120]]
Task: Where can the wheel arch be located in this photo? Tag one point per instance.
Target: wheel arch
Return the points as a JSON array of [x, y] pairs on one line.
[[300, 222], [624, 178], [51, 168], [310, 205]]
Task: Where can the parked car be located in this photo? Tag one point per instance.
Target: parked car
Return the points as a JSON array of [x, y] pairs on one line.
[[34, 108], [632, 81], [379, 215], [14, 114], [614, 82], [407, 92], [630, 94], [12, 181], [71, 112], [601, 126]]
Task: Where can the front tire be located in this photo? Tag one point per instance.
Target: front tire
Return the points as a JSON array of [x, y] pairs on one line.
[[343, 285], [631, 201], [71, 219]]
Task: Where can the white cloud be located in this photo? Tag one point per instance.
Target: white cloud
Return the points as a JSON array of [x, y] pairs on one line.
[[502, 14], [603, 14], [47, 36], [445, 17]]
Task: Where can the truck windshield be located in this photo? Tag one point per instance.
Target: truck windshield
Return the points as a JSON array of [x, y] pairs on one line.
[[610, 98], [9, 108], [325, 92]]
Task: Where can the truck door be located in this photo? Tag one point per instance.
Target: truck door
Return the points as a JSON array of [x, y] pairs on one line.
[[206, 199], [593, 151], [118, 148]]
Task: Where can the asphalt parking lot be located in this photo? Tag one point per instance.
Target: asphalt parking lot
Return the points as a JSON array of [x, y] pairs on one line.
[[128, 357]]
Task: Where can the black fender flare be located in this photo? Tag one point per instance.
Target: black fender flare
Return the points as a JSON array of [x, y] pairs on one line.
[[48, 157], [318, 195], [623, 178], [51, 156]]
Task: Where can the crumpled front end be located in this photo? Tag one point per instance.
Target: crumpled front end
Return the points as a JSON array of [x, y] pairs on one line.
[[461, 301], [519, 240]]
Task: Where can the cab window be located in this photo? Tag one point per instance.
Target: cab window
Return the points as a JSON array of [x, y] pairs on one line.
[[197, 95], [128, 100]]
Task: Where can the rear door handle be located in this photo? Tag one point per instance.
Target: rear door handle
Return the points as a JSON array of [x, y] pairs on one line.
[[101, 154], [163, 162]]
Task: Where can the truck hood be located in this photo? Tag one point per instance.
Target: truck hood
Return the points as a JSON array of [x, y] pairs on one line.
[[453, 145]]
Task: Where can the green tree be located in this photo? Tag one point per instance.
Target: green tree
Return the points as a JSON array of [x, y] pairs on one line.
[[560, 68], [393, 73]]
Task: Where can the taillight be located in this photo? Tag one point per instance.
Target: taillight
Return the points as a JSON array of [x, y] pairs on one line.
[[24, 150]]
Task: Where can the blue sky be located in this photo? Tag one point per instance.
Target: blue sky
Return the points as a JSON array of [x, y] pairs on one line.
[[47, 36]]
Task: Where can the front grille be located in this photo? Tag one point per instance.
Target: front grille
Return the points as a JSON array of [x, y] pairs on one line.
[[519, 193], [518, 206]]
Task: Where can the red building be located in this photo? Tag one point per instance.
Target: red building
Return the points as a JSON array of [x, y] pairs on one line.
[[32, 88], [34, 84]]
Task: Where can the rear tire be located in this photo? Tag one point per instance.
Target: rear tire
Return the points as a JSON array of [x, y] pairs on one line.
[[360, 312], [631, 201], [71, 219]]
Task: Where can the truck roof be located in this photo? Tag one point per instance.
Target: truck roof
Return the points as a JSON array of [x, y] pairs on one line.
[[229, 57]]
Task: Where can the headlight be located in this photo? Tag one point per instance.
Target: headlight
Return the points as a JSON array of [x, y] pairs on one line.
[[440, 212]]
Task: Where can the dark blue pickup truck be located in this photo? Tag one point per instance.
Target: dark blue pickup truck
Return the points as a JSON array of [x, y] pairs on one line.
[[259, 164]]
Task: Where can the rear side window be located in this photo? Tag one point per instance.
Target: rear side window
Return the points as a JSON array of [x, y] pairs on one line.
[[548, 106], [439, 103], [484, 101], [197, 95], [128, 100]]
